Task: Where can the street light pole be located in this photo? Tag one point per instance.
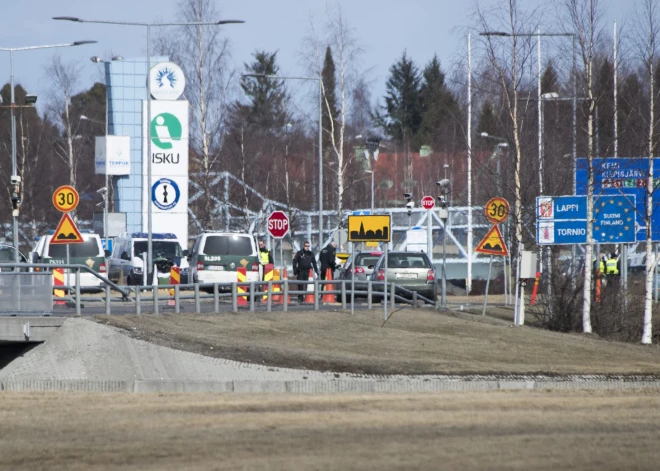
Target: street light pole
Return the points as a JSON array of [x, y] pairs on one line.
[[98, 60], [15, 179], [502, 143], [373, 143], [147, 191], [320, 81]]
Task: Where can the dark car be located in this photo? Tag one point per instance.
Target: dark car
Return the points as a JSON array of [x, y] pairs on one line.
[[410, 270], [7, 255]]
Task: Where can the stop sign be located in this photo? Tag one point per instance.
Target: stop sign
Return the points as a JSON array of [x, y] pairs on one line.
[[278, 224], [428, 202]]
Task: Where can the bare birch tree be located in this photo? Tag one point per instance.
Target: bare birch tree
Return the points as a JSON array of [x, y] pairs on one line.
[[203, 54], [646, 43], [64, 79], [509, 66], [340, 37], [584, 17]]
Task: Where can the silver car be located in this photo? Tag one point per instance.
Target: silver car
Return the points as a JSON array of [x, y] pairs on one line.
[[410, 270], [364, 266]]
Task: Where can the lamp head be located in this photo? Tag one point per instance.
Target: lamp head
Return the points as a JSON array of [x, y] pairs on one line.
[[30, 99]]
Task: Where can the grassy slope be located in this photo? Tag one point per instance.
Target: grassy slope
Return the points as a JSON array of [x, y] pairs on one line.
[[410, 342]]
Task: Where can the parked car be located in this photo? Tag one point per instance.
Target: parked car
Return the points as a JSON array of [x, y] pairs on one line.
[[216, 257], [364, 266], [7, 255], [410, 270], [126, 265], [89, 253]]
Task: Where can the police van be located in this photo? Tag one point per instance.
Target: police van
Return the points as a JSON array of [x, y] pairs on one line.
[[89, 253], [217, 256], [126, 266]]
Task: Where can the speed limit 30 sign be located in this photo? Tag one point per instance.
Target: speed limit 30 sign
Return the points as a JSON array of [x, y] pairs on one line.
[[65, 198], [497, 210]]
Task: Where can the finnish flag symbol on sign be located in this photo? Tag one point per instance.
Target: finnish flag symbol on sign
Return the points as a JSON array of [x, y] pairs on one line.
[[165, 194]]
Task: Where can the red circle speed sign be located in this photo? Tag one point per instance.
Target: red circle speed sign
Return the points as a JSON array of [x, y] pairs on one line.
[[278, 224], [428, 202]]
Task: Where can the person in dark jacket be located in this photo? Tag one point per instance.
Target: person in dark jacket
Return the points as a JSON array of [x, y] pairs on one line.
[[302, 262], [327, 258]]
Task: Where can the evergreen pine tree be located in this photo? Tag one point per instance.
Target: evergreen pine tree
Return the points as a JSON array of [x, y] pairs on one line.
[[402, 115], [329, 108], [267, 96], [439, 109]]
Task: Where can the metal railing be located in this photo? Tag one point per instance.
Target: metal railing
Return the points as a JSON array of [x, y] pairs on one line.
[[216, 297]]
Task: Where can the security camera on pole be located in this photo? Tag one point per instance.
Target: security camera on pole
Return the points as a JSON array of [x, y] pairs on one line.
[[409, 206]]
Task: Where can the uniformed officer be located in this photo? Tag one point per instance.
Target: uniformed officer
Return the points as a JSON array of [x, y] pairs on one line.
[[327, 258], [265, 257], [302, 262]]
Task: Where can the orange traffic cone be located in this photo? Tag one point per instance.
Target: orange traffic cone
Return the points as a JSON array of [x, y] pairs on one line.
[[328, 297], [285, 276], [309, 298]]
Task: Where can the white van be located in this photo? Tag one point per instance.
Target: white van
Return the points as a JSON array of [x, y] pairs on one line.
[[89, 253], [126, 265]]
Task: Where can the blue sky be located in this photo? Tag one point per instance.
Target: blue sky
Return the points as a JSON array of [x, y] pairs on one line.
[[383, 28]]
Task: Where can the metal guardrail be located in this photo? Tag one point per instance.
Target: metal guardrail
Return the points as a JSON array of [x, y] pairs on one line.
[[140, 299]]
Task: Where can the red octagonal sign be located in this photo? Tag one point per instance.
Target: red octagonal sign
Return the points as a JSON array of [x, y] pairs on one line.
[[428, 202], [278, 224]]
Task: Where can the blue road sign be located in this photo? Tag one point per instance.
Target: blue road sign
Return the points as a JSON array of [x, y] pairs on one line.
[[614, 219], [558, 232], [625, 176], [561, 207], [106, 244], [364, 212]]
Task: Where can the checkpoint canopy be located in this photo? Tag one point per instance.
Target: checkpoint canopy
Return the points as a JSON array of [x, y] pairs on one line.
[[625, 176]]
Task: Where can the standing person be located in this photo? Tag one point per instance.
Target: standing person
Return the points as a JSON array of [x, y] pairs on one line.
[[612, 268], [265, 257], [327, 259], [302, 262]]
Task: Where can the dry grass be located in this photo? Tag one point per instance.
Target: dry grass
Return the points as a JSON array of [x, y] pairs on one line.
[[410, 342], [540, 430]]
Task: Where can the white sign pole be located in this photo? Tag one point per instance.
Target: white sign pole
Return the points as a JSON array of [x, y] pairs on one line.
[[429, 235]]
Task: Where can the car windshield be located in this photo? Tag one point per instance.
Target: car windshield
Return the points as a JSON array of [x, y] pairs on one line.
[[407, 260], [89, 248], [161, 248], [228, 245]]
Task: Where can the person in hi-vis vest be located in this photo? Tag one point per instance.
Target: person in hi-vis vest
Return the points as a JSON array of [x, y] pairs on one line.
[[265, 257]]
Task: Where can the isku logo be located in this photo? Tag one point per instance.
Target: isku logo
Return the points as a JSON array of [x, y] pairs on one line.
[[165, 128], [166, 78]]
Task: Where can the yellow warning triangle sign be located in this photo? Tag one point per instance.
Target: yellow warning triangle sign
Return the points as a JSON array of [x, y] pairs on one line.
[[493, 243], [67, 232]]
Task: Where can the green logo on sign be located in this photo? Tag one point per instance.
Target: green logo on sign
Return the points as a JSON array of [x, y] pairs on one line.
[[165, 128]]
